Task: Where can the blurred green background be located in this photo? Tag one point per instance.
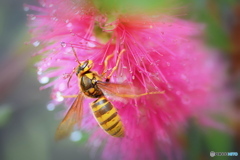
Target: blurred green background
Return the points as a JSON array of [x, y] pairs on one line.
[[27, 126]]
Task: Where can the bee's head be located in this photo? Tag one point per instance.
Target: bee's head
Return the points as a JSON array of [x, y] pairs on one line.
[[84, 67]]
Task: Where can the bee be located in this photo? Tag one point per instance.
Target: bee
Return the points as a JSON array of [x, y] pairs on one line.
[[91, 85]]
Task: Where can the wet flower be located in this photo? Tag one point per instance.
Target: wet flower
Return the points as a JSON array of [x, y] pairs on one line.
[[161, 54]]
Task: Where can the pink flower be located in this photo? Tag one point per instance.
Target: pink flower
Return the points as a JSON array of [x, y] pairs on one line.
[[162, 54]]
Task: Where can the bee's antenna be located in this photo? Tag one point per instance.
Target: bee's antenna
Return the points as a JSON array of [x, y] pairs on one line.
[[75, 54]]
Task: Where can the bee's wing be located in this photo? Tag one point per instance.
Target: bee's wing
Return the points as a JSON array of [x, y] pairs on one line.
[[123, 90], [119, 90], [73, 116]]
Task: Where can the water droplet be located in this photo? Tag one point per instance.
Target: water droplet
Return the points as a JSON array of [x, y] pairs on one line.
[[91, 44], [69, 25], [63, 44], [124, 67], [44, 80], [133, 77], [50, 106], [39, 72], [36, 43], [76, 136], [26, 8], [54, 18], [32, 17], [59, 97]]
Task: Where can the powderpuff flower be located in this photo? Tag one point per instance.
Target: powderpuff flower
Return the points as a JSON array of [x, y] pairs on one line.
[[161, 54]]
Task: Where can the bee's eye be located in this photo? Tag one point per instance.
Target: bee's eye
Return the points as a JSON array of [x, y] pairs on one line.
[[78, 70], [84, 65]]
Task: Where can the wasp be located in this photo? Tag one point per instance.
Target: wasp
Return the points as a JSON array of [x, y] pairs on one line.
[[91, 85]]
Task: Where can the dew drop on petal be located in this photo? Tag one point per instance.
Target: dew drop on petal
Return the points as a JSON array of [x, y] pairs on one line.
[[36, 43], [63, 44], [54, 18], [26, 8], [44, 80], [133, 77], [50, 106], [39, 72], [69, 25], [32, 17], [59, 97], [90, 44], [76, 136], [124, 67]]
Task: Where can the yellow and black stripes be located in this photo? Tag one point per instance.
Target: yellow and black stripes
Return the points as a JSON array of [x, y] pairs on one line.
[[107, 117], [104, 112]]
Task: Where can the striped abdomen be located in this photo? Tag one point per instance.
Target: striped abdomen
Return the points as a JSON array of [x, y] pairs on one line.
[[107, 117]]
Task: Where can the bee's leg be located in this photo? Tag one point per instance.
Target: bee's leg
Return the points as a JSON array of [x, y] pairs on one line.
[[69, 96], [115, 67], [138, 95]]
